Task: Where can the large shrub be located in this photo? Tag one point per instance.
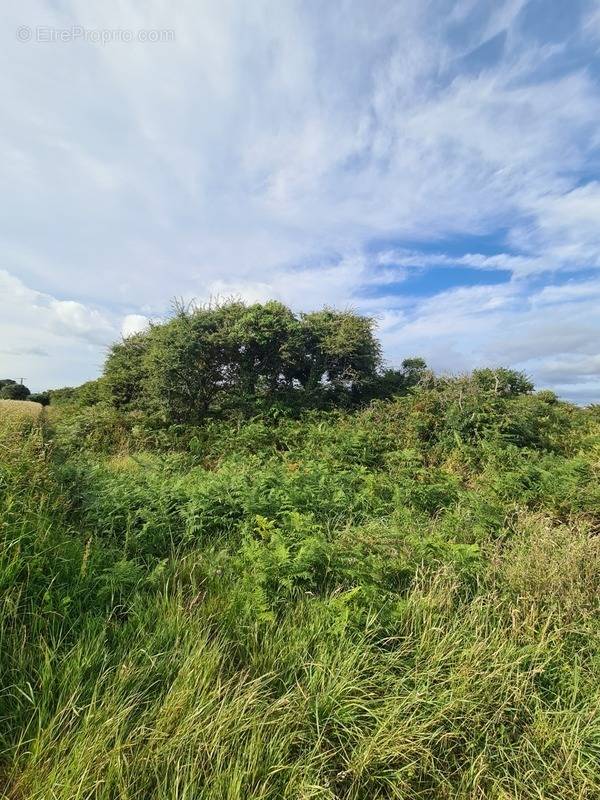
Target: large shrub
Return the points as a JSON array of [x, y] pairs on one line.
[[43, 398], [14, 391], [210, 359]]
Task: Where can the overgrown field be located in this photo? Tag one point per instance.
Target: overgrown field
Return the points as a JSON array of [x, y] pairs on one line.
[[398, 602]]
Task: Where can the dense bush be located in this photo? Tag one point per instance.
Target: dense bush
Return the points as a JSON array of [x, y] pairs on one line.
[[399, 601], [11, 390], [43, 398], [208, 360], [88, 394]]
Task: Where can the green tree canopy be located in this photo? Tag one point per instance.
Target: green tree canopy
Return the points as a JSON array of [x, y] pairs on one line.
[[14, 391], [236, 355]]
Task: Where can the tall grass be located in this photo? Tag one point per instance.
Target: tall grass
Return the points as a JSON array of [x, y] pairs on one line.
[[19, 408], [306, 612]]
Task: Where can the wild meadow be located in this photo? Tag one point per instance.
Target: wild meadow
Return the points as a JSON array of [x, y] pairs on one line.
[[396, 598]]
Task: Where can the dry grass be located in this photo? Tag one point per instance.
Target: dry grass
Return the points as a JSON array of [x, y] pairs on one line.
[[20, 408]]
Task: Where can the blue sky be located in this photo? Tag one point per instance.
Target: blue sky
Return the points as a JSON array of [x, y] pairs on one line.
[[434, 164]]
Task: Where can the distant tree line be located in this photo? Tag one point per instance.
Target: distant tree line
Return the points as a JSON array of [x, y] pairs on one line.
[[11, 390]]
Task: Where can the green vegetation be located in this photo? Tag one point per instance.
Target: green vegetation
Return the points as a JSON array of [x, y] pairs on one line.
[[11, 390], [298, 591], [212, 360]]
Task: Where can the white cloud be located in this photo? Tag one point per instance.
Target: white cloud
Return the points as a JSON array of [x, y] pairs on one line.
[[134, 323], [551, 336], [46, 340], [591, 24]]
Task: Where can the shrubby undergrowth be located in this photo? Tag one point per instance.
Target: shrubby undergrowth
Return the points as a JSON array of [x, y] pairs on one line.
[[393, 602]]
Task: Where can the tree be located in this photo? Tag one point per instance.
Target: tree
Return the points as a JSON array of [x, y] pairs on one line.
[[502, 382], [393, 382], [213, 358], [185, 366], [14, 391], [124, 370], [340, 351], [414, 371], [262, 343]]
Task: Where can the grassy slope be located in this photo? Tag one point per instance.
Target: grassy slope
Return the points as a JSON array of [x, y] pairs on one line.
[[327, 609]]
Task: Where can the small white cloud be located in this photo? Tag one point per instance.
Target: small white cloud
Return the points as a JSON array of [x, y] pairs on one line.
[[134, 323], [76, 319]]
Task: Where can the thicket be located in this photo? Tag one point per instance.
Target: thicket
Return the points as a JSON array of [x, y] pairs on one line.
[[211, 360], [399, 601]]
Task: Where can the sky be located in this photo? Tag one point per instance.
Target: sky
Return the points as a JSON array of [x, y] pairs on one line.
[[433, 164]]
